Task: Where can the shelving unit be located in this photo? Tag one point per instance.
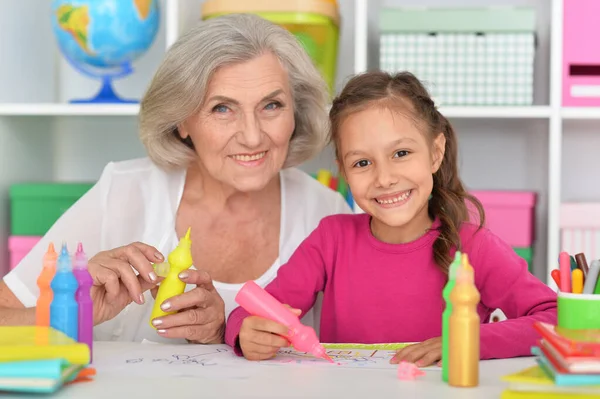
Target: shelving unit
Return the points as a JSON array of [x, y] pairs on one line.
[[43, 137]]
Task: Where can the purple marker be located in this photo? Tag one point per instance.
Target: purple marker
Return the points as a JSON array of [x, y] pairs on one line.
[[83, 298]]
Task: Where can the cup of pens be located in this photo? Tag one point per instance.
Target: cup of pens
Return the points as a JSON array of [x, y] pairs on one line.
[[578, 311], [579, 293]]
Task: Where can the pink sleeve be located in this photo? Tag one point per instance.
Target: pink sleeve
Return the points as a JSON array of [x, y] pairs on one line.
[[505, 283], [297, 283]]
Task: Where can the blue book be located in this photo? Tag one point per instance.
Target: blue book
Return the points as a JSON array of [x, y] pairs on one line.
[[42, 376], [563, 378]]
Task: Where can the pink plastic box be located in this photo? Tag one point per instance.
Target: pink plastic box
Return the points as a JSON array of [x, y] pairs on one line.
[[510, 215], [19, 246], [581, 53], [580, 228]]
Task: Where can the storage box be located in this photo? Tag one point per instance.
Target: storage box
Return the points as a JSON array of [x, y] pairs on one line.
[[18, 247], [580, 228], [510, 215], [466, 56], [315, 23], [35, 207], [581, 53]]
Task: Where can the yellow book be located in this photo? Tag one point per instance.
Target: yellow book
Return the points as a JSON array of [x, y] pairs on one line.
[[546, 395], [19, 343], [533, 383]]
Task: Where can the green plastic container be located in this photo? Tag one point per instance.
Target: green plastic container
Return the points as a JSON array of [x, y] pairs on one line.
[[527, 254], [36, 206], [315, 23], [578, 311]]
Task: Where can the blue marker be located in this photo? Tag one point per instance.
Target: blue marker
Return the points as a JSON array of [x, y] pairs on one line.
[[64, 308]]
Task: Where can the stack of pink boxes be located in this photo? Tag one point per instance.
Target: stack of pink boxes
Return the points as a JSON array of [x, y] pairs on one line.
[[511, 216]]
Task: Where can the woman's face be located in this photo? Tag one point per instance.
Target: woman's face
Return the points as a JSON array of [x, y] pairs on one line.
[[242, 131]]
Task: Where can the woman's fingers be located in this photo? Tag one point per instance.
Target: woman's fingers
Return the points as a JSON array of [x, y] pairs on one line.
[[196, 297], [141, 257], [197, 277]]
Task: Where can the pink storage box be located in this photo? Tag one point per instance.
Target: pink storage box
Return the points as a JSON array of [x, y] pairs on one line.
[[510, 215], [580, 228], [581, 53], [19, 246]]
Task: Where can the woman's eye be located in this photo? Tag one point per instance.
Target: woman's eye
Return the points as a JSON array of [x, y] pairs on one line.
[[362, 163], [400, 154], [220, 108], [273, 106]]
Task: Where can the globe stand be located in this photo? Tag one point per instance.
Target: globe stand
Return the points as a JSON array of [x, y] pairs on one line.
[[106, 93]]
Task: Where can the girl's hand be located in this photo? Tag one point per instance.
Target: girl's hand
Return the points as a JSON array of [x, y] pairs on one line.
[[200, 316], [422, 354], [260, 338], [116, 283]]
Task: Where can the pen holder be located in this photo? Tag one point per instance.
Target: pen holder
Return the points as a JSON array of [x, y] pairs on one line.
[[578, 311]]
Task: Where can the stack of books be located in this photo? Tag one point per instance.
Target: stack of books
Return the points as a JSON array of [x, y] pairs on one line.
[[40, 359], [568, 366]]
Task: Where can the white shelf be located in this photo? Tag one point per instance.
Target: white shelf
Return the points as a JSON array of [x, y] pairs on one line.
[[580, 112], [515, 112], [50, 109]]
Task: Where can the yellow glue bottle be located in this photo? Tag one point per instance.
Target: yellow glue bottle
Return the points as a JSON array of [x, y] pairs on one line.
[[179, 260], [464, 325]]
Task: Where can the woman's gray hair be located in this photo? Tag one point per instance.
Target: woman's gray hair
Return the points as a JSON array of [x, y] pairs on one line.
[[179, 86]]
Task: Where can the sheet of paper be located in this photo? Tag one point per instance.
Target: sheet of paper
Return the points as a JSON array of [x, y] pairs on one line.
[[219, 361]]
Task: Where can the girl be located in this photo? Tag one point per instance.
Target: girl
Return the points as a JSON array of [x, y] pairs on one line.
[[382, 273]]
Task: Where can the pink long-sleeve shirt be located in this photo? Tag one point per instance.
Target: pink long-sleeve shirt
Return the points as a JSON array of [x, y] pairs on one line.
[[374, 292]]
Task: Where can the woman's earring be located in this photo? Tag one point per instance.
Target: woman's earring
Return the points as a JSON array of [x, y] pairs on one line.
[[430, 197]]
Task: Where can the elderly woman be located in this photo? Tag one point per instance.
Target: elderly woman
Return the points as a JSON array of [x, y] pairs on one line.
[[234, 106]]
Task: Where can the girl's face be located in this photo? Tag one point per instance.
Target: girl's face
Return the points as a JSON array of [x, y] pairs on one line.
[[389, 166]]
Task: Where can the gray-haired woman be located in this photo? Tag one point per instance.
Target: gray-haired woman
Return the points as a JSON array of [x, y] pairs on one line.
[[234, 106]]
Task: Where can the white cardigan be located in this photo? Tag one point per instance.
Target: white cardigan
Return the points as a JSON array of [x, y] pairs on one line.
[[137, 201]]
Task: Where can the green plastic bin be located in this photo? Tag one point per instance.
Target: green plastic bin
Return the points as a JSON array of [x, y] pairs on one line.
[[34, 207], [527, 254], [314, 23]]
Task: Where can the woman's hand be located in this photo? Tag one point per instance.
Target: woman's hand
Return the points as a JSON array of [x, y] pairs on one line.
[[422, 354], [116, 284], [261, 338], [200, 316]]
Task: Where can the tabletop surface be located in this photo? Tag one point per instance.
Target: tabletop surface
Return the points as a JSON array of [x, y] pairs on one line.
[[281, 381]]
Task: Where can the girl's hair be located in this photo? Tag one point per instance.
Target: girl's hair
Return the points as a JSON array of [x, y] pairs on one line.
[[404, 90]]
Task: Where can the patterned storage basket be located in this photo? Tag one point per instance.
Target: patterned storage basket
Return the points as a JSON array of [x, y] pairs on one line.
[[480, 56]]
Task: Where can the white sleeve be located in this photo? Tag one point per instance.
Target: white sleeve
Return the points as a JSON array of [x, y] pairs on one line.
[[341, 205], [80, 223]]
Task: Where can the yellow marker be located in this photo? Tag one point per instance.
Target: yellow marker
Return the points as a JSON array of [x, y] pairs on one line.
[[577, 281], [179, 259], [324, 177], [464, 324]]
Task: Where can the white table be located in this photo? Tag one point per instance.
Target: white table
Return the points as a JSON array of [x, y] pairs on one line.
[[289, 381]]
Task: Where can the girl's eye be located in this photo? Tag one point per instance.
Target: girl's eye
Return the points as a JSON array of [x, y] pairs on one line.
[[273, 106], [400, 154], [220, 108], [361, 164]]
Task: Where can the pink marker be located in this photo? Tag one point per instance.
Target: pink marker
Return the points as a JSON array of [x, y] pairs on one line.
[[564, 265], [259, 302], [83, 298], [408, 371]]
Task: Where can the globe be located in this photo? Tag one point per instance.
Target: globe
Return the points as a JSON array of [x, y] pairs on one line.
[[101, 38]]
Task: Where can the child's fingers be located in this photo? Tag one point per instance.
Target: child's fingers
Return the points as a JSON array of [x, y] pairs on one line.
[[296, 311], [268, 340], [429, 358], [407, 353], [265, 325]]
